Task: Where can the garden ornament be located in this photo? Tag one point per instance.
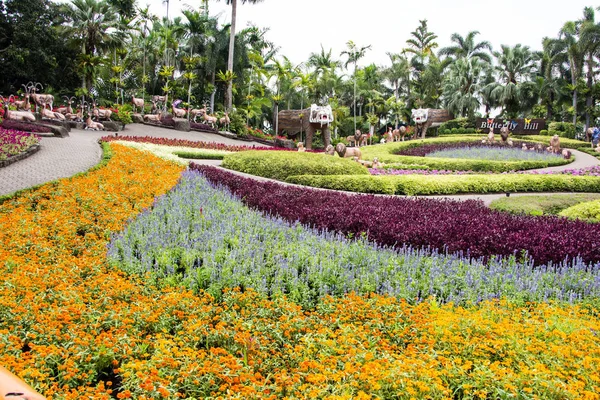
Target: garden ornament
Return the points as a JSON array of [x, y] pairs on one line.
[[16, 115], [343, 151], [320, 114], [428, 117], [301, 148], [40, 100], [330, 150], [137, 103]]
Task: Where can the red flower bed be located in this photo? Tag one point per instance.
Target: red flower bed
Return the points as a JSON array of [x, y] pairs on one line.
[[190, 143], [456, 226]]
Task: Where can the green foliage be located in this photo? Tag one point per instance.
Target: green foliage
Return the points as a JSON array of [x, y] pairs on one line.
[[589, 211], [562, 129], [199, 155], [453, 184], [123, 114], [564, 142], [387, 154], [281, 164], [238, 124], [541, 205]]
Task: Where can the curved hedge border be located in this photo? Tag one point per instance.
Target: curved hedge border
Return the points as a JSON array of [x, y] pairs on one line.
[[588, 211], [387, 153], [280, 165], [451, 184]]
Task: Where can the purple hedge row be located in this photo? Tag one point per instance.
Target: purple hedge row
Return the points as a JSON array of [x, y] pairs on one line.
[[457, 226]]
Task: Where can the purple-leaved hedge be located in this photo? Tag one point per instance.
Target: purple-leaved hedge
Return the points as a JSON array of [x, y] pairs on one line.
[[457, 226]]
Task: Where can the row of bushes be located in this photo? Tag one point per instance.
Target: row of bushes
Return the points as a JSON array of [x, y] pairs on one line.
[[280, 165], [450, 184]]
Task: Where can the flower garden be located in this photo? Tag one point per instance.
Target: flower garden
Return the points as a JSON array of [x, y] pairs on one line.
[[13, 142], [143, 279]]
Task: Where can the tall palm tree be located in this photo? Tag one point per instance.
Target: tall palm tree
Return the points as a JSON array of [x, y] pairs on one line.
[[229, 94], [421, 44], [467, 48], [354, 53], [589, 32], [91, 25], [462, 87], [568, 37], [514, 67], [397, 73], [324, 74]]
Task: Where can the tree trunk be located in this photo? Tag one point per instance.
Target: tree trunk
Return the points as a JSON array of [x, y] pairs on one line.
[[229, 94], [590, 82], [574, 83], [212, 95], [276, 118]]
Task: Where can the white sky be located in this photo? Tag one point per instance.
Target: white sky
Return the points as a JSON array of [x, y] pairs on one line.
[[299, 28]]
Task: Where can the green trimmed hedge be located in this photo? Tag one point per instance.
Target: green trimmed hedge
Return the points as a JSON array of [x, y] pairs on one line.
[[386, 153], [199, 155], [542, 204], [281, 164], [589, 211], [452, 184], [564, 142]]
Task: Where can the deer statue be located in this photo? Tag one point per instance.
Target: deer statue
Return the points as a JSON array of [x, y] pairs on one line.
[[100, 113], [22, 105], [152, 117], [92, 125], [209, 119], [225, 121], [154, 109], [159, 99], [178, 112], [16, 115], [49, 114], [40, 100], [197, 112], [68, 109], [137, 103]]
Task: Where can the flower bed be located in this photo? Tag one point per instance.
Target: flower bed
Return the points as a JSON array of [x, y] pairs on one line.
[[495, 154], [202, 237], [75, 328], [13, 143], [186, 143], [466, 226], [24, 126]]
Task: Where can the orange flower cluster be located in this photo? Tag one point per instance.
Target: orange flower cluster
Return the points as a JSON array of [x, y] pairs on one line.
[[73, 327]]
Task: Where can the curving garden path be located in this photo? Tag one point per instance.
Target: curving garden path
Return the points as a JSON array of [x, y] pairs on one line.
[[64, 157]]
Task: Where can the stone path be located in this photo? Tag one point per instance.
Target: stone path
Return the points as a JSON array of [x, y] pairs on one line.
[[64, 157]]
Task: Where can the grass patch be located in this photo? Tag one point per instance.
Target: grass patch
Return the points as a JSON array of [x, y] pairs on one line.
[[541, 205]]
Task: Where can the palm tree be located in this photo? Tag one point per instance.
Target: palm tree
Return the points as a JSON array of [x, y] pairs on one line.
[[589, 32], [229, 94], [92, 21], [462, 87], [324, 76], [397, 74], [572, 48], [354, 53], [514, 67], [467, 48], [421, 45]]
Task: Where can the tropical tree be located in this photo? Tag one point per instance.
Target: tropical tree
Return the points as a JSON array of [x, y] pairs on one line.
[[462, 87], [233, 3], [467, 48], [353, 54], [91, 24], [589, 33], [324, 74], [568, 39], [421, 44]]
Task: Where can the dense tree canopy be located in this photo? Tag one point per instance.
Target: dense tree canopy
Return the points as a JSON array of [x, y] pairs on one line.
[[111, 49]]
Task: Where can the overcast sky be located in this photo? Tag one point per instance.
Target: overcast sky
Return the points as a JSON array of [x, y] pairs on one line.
[[301, 27]]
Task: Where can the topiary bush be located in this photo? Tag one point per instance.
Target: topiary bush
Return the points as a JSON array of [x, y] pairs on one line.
[[588, 211], [280, 165], [562, 129]]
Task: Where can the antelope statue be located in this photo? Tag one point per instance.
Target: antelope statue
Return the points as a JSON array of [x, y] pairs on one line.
[[225, 121], [197, 112], [16, 115], [209, 119], [178, 112], [49, 114], [152, 117], [91, 125], [68, 109], [137, 103], [22, 105], [99, 113], [40, 100]]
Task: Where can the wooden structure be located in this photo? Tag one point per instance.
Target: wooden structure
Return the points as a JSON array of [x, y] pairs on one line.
[[294, 121]]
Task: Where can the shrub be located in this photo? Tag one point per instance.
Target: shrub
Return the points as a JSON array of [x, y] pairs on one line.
[[588, 211], [466, 226], [456, 184], [540, 205], [123, 114], [199, 155], [280, 165], [562, 129], [237, 124], [544, 132]]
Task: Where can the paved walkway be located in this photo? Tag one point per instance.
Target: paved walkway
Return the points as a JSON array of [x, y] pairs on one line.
[[64, 157]]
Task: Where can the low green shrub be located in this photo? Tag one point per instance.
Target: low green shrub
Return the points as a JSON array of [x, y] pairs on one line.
[[541, 205], [199, 155], [589, 211], [564, 142], [544, 132], [237, 124], [281, 164], [454, 184], [562, 129], [589, 151]]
